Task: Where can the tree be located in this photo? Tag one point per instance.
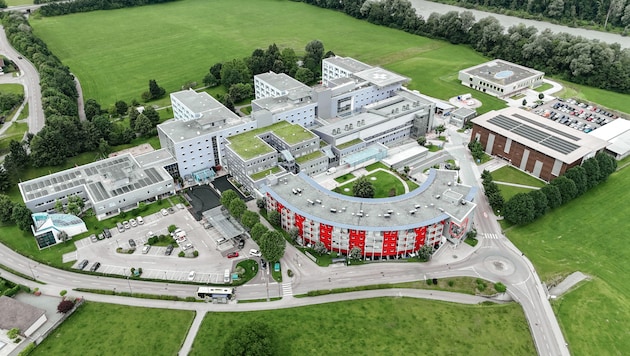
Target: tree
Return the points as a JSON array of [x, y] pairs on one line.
[[500, 287], [227, 196], [103, 148], [237, 207], [143, 125], [5, 180], [554, 199], [63, 236], [171, 228], [320, 248], [591, 168], [258, 230], [540, 202], [210, 80], [541, 96], [439, 129], [524, 103], [251, 339], [567, 188], [91, 109], [290, 60], [6, 208], [59, 206], [239, 92], [304, 75], [272, 245], [363, 188], [260, 203], [274, 218], [152, 114], [234, 72], [249, 219], [476, 149], [294, 233], [519, 209], [17, 157], [133, 115], [607, 165], [578, 175], [21, 215], [155, 90], [425, 252], [314, 53], [355, 253], [121, 107], [486, 176], [422, 140], [65, 306]]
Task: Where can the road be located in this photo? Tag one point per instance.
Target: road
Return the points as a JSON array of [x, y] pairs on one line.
[[425, 8], [29, 78]]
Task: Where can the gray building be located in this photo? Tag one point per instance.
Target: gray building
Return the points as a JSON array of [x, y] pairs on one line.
[[501, 78], [108, 186]]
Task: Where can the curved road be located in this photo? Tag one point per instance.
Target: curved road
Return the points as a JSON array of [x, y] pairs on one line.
[[425, 8], [29, 78]]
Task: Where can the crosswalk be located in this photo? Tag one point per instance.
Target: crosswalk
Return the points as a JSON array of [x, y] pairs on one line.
[[287, 291], [491, 236]]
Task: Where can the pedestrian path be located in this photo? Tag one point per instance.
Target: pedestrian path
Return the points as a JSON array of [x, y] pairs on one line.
[[491, 236], [287, 291]]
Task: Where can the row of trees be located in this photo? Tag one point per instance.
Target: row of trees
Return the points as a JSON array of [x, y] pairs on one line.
[[8, 101], [524, 208], [70, 7], [237, 75], [576, 59], [271, 242], [569, 12]]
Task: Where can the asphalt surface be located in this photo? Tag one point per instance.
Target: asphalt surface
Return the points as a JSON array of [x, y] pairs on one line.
[[425, 8], [29, 78]]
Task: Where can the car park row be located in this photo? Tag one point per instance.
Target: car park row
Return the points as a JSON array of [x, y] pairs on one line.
[[577, 115]]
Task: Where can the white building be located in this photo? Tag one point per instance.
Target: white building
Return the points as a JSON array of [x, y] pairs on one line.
[[47, 228], [108, 186], [500, 78], [340, 67], [271, 85], [617, 133]]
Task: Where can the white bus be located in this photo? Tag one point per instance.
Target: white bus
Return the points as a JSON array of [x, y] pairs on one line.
[[215, 292]]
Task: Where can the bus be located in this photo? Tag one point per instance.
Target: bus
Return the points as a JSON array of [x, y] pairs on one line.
[[215, 292]]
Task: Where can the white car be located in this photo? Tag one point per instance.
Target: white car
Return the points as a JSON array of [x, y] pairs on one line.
[[164, 212], [140, 220], [133, 222], [146, 249], [254, 252], [191, 275]]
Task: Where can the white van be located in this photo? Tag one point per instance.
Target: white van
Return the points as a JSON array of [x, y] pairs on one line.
[[227, 278]]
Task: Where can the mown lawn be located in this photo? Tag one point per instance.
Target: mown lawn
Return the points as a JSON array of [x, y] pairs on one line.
[[392, 326], [508, 191], [109, 329], [589, 235], [384, 183], [510, 174], [12, 88], [138, 44], [14, 132]]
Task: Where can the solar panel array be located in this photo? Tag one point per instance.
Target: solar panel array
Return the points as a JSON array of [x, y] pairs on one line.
[[531, 133], [548, 128]]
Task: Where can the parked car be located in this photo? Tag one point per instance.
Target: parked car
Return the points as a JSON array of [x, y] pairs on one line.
[[107, 233], [146, 249], [254, 252], [171, 210], [133, 222], [191, 275], [241, 243], [83, 264], [169, 250], [93, 238], [140, 220], [95, 266], [263, 264], [232, 255], [164, 212], [120, 227], [132, 243], [126, 224]]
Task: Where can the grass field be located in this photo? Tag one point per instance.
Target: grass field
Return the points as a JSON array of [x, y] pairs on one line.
[[508, 191], [108, 329], [384, 183], [394, 326], [14, 132], [587, 235], [510, 174], [12, 88], [138, 44]]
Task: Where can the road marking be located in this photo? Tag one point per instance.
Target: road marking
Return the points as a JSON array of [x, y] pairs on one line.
[[491, 236], [287, 291], [485, 215]]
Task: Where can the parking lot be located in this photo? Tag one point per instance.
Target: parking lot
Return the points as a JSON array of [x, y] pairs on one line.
[[577, 115], [209, 266]]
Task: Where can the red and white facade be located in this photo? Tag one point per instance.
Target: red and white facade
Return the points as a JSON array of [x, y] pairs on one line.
[[397, 226]]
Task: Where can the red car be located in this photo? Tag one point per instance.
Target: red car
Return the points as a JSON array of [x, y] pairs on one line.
[[232, 255]]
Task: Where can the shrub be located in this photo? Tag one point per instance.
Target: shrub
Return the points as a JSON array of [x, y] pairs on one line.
[[13, 333], [451, 283], [290, 273], [500, 287], [63, 292], [195, 253], [65, 306], [27, 350], [181, 254], [429, 281]]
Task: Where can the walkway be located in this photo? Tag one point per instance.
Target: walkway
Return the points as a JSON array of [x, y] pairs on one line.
[[517, 185]]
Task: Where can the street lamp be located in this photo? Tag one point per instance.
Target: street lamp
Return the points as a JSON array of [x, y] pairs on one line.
[[129, 283]]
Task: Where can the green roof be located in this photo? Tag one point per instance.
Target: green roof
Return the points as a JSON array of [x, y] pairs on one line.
[[248, 145], [350, 143], [309, 157], [263, 174]]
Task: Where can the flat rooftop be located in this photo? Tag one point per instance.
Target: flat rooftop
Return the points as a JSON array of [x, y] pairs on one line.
[[197, 102], [502, 72], [381, 77], [349, 64], [161, 157], [103, 179], [248, 145], [179, 131], [548, 137], [419, 207], [286, 102], [281, 81]]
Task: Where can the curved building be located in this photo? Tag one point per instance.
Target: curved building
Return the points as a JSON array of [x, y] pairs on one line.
[[399, 226]]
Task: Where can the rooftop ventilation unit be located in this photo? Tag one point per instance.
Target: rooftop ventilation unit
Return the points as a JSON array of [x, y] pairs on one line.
[[310, 201], [449, 184], [463, 202], [390, 211], [386, 215], [412, 212], [437, 196], [417, 206], [318, 201], [299, 190], [294, 191]]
